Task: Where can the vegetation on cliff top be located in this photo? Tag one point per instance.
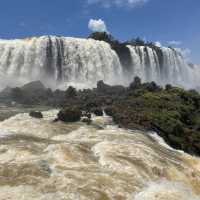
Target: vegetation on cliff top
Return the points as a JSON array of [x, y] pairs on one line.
[[103, 36], [172, 112]]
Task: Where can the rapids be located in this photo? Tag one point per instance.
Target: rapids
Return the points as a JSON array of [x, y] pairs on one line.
[[43, 160]]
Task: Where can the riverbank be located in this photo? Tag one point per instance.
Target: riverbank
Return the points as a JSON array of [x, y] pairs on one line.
[[172, 112]]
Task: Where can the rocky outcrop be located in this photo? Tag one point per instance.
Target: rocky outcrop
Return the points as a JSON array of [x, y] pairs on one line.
[[70, 114], [97, 111], [36, 114], [33, 93], [33, 86]]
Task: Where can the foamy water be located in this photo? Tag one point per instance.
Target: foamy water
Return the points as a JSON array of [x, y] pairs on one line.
[[43, 160]]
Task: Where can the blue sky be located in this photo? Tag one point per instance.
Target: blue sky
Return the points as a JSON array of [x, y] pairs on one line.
[[154, 20]]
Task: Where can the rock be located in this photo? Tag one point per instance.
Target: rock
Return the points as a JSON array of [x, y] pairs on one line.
[[70, 114], [55, 120], [168, 87], [97, 111], [29, 94], [108, 110], [102, 87], [36, 114], [136, 83], [16, 94], [109, 90], [33, 86], [86, 120], [70, 92], [87, 115], [5, 92], [152, 87]]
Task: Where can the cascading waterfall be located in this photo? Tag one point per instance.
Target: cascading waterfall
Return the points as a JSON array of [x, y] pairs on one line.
[[58, 60], [164, 66], [62, 61]]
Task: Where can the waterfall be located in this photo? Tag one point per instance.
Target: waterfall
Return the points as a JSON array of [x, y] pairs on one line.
[[62, 61], [164, 66], [59, 60]]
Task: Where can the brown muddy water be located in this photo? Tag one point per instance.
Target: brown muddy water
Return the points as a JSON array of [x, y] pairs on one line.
[[42, 160]]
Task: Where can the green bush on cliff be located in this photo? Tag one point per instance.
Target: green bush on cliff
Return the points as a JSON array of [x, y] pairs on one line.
[[173, 112]]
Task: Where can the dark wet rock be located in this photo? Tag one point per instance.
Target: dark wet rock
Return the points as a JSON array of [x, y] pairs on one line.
[[70, 114], [86, 117], [86, 120], [33, 93], [45, 166], [33, 86], [86, 114], [168, 87], [70, 92], [109, 111], [153, 87], [90, 104], [55, 120], [107, 89], [101, 86], [136, 83], [36, 114], [120, 48], [17, 94], [29, 94], [97, 111], [124, 55], [5, 93]]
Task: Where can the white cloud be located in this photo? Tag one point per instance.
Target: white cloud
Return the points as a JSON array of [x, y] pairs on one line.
[[118, 3], [175, 43], [158, 44], [97, 25]]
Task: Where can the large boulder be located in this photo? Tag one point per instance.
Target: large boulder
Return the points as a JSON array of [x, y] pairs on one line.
[[70, 92], [30, 94], [33, 86], [102, 87], [70, 114], [136, 83], [109, 110], [36, 114], [106, 89], [6, 92], [97, 111], [17, 94], [86, 120]]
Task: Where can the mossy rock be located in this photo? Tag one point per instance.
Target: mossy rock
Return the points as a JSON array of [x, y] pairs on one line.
[[70, 114]]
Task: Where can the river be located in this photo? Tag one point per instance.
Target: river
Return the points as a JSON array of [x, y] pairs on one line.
[[44, 160]]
